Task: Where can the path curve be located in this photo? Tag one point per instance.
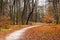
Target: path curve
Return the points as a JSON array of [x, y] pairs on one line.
[[19, 33]]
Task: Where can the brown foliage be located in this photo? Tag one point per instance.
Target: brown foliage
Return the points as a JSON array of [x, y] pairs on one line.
[[4, 21], [48, 18]]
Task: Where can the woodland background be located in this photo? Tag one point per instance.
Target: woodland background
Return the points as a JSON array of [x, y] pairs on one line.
[[16, 14]]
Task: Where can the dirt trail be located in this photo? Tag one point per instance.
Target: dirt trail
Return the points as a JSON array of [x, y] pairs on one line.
[[37, 32], [47, 31], [17, 34]]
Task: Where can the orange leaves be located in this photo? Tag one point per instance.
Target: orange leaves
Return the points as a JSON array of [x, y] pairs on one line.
[[4, 21], [48, 18]]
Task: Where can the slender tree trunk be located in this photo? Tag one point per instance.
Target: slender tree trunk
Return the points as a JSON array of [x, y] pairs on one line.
[[30, 15], [24, 12]]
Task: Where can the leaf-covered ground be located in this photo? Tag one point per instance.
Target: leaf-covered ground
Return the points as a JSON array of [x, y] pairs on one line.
[[47, 29]]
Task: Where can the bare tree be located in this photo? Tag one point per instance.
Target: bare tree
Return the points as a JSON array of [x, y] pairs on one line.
[[54, 4]]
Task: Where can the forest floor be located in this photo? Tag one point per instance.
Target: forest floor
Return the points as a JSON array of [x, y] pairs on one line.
[[52, 28]]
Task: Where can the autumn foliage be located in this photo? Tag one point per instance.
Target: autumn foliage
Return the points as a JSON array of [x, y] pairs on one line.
[[48, 18], [4, 21]]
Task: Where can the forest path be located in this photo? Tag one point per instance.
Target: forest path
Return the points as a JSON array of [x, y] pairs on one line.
[[45, 27], [14, 28], [15, 35]]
